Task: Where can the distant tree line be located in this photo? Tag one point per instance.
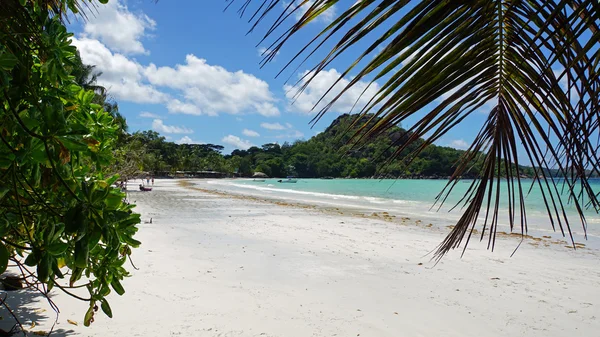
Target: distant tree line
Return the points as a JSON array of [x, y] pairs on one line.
[[328, 154]]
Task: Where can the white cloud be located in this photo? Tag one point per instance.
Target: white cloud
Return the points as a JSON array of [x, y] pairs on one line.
[[118, 28], [295, 134], [267, 109], [159, 126], [250, 133], [177, 106], [187, 140], [288, 131], [197, 88], [237, 142], [146, 114], [207, 89], [327, 17], [121, 76], [459, 144], [213, 89], [306, 100], [272, 126]]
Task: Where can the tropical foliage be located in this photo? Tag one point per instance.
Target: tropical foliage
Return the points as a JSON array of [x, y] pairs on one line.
[[532, 65], [62, 224]]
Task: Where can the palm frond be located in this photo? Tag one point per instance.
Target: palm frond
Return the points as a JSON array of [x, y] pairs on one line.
[[538, 62]]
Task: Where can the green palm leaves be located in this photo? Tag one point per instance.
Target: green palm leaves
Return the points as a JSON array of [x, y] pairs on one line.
[[531, 66]]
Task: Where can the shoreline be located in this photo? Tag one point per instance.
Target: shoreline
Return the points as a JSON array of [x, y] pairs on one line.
[[426, 222]]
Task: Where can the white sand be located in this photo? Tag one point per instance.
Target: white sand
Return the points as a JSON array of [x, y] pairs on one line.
[[217, 266]]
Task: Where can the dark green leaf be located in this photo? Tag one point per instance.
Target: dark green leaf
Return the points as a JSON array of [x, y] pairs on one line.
[[73, 144], [4, 226], [57, 248], [75, 276], [81, 252], [117, 286], [106, 308], [7, 61], [131, 241], [3, 191], [32, 259], [132, 220], [5, 161], [43, 268], [56, 269], [39, 155], [4, 255], [105, 290], [74, 219], [30, 122], [94, 238]]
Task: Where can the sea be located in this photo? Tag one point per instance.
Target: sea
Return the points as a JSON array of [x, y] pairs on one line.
[[416, 198]]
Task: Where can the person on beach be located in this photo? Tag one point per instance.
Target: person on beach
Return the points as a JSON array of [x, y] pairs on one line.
[[145, 189], [147, 181], [152, 181]]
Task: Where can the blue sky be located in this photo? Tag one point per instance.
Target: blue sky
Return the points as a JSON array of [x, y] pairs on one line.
[[189, 71]]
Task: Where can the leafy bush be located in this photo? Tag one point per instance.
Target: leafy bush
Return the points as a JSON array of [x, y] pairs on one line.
[[59, 214]]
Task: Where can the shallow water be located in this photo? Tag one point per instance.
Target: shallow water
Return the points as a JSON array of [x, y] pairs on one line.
[[414, 198]]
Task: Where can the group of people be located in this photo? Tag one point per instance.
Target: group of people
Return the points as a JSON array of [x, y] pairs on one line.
[[123, 184]]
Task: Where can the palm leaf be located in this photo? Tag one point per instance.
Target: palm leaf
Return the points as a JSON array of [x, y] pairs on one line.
[[538, 62]]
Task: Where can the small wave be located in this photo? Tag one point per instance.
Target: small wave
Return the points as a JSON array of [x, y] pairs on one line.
[[398, 201], [375, 200], [270, 188]]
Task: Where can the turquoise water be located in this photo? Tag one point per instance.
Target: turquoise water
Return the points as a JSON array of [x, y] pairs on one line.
[[414, 197], [400, 190]]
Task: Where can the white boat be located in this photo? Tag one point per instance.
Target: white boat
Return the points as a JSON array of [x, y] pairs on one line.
[[288, 180]]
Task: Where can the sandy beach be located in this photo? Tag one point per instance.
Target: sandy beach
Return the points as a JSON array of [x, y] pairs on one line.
[[216, 265]]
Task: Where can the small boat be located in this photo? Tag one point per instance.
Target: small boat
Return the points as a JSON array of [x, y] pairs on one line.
[[259, 180], [288, 180]]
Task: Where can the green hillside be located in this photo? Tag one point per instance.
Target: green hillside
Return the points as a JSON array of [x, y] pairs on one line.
[[328, 154]]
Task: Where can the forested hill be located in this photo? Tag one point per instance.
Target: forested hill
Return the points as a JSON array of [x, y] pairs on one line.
[[327, 154]]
